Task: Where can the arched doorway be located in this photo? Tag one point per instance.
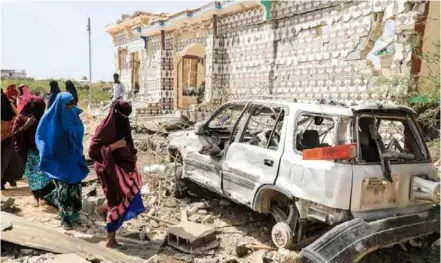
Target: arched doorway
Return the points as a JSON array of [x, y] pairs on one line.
[[189, 75]]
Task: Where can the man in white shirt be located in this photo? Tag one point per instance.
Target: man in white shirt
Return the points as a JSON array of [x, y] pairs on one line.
[[118, 88]]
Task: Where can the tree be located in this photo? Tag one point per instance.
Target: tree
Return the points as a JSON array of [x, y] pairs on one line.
[[84, 78]]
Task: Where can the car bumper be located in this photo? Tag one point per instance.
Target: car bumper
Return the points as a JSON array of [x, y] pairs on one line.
[[350, 241]]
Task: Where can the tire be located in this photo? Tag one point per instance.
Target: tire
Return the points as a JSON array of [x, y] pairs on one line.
[[282, 235]]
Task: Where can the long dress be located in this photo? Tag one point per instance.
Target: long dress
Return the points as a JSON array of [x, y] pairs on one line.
[[11, 166], [116, 170], [59, 139], [41, 185]]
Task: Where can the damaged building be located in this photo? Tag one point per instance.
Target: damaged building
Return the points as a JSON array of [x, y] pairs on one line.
[[306, 50]]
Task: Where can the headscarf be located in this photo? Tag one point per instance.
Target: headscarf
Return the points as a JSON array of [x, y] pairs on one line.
[[59, 140], [53, 93], [12, 93], [8, 112], [24, 140], [116, 169], [25, 94], [71, 89]]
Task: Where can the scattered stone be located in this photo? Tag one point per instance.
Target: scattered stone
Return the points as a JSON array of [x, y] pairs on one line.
[[224, 203], [194, 218], [287, 256], [153, 223], [184, 217], [183, 257], [202, 212], [155, 168], [151, 212], [6, 202], [193, 210], [199, 205], [90, 204], [145, 189], [206, 260], [154, 259], [152, 200], [171, 202], [257, 257], [93, 259], [26, 251], [208, 219]]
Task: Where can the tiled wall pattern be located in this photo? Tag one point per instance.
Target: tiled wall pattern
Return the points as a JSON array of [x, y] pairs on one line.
[[311, 55], [309, 50]]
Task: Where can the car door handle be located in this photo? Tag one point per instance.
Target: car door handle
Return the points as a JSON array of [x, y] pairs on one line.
[[268, 162]]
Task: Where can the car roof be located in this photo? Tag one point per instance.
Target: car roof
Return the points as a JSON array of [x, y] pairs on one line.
[[336, 108]]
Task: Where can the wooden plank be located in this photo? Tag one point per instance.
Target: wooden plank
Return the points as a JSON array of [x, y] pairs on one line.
[[35, 235], [67, 258]]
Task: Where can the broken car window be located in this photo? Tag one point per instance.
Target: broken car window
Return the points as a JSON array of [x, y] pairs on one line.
[[398, 134], [264, 127], [314, 131], [226, 117]]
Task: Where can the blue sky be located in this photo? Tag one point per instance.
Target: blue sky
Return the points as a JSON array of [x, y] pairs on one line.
[[48, 39]]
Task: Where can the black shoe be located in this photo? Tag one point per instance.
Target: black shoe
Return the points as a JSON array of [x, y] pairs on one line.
[[67, 226]]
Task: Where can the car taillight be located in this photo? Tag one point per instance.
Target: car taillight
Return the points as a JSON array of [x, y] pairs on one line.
[[339, 152]]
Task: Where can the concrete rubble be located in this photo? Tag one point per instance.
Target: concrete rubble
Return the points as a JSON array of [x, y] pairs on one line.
[[212, 227]]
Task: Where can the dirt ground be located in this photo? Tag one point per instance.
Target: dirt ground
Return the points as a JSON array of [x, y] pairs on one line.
[[233, 223]]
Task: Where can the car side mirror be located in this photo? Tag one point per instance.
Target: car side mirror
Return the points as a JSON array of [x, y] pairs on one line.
[[199, 128]]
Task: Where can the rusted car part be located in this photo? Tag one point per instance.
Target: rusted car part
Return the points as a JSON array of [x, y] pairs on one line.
[[352, 240]]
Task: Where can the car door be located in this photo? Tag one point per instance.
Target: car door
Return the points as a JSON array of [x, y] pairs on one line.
[[253, 158], [202, 166]]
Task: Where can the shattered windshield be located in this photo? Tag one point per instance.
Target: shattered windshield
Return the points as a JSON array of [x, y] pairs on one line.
[[397, 135]]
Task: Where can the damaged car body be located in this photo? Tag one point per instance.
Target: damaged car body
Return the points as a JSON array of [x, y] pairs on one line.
[[362, 174]]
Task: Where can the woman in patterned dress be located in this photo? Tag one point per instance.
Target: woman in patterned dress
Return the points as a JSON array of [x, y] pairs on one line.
[[114, 154], [59, 140], [23, 133]]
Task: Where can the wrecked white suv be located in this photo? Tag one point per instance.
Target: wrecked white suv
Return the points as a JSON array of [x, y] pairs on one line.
[[362, 171]]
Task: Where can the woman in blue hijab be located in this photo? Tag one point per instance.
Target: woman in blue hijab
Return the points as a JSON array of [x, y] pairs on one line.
[[59, 140]]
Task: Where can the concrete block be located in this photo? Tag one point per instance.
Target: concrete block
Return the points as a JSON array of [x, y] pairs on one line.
[[190, 237]]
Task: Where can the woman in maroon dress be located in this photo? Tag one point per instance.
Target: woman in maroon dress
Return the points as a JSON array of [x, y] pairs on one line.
[[114, 154]]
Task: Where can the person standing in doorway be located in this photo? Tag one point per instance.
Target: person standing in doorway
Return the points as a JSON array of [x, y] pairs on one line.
[[118, 88], [59, 140]]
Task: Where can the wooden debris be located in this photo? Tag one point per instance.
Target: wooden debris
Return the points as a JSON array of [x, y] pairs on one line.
[[35, 235]]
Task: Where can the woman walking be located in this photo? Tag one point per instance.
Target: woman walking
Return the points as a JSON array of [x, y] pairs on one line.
[[72, 90], [59, 140], [11, 167], [23, 133], [24, 95], [53, 93], [114, 154], [12, 94]]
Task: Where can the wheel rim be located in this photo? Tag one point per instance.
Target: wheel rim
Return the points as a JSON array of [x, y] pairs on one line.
[[281, 235]]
